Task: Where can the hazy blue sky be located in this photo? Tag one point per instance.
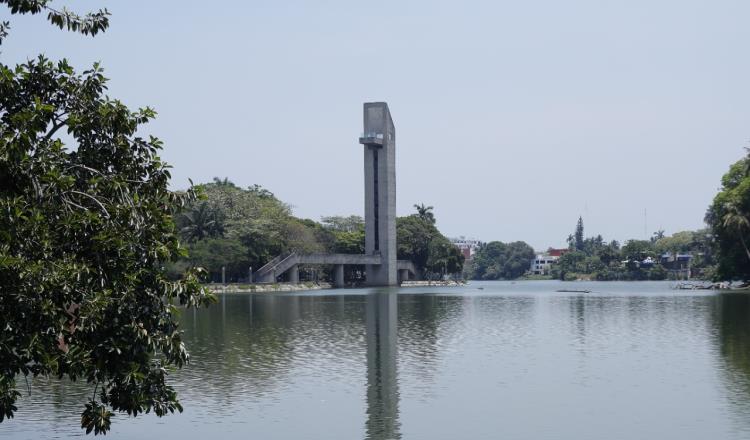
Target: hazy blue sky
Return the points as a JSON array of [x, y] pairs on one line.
[[512, 117]]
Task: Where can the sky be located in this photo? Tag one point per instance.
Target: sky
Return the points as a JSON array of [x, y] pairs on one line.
[[512, 118]]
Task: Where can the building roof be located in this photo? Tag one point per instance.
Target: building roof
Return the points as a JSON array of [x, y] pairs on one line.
[[552, 252]]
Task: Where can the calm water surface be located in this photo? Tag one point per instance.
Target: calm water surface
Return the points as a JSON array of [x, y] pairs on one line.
[[510, 360]]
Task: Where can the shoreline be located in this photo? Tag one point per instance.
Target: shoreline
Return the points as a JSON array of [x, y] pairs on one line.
[[306, 286], [268, 288]]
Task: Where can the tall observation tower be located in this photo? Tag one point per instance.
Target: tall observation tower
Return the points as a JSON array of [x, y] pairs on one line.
[[379, 259], [379, 139]]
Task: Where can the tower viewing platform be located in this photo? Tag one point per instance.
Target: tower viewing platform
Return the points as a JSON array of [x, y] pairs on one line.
[[381, 266]]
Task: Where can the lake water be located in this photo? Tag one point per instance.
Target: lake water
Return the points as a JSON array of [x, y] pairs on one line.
[[486, 361]]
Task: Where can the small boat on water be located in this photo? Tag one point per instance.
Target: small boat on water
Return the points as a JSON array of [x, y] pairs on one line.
[[572, 291]]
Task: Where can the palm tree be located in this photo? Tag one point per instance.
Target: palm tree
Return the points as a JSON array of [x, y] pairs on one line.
[[201, 222], [735, 220], [223, 182], [425, 213]]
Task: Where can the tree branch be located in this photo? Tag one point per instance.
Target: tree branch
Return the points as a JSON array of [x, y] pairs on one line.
[[94, 199], [54, 128]]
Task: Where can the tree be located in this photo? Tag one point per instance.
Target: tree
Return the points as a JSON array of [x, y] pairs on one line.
[[638, 250], [213, 254], [224, 182], [578, 238], [444, 258], [683, 241], [498, 260], [339, 223], [200, 222], [425, 213], [413, 236], [728, 218], [658, 235], [570, 263], [90, 24], [85, 231], [350, 242], [420, 241], [736, 221]]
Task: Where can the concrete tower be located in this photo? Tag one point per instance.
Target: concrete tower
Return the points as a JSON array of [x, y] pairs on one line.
[[379, 139]]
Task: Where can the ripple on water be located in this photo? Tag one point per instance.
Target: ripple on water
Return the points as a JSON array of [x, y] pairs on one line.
[[448, 363]]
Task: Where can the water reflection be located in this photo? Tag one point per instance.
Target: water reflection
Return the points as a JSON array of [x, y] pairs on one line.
[[732, 322], [510, 361], [382, 376]]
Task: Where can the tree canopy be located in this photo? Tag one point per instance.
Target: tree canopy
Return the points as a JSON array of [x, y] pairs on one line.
[[85, 231], [420, 241], [248, 227], [497, 260], [90, 23], [729, 220]]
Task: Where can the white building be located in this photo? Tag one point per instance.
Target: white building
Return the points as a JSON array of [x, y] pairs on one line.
[[542, 264]]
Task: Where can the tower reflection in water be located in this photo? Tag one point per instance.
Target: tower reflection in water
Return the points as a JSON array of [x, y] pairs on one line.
[[382, 376]]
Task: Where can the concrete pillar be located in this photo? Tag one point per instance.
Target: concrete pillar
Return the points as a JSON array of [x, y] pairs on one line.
[[294, 274], [379, 139], [250, 275], [223, 275], [338, 275], [403, 275]]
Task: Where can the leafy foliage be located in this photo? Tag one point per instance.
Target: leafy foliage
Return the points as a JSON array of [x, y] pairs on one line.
[[636, 260], [201, 222], [497, 260], [729, 220], [425, 213], [89, 24], [84, 233], [420, 241], [239, 228], [578, 237], [352, 223]]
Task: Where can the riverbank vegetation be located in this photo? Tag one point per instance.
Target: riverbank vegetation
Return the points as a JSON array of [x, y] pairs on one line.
[[500, 261], [662, 257], [241, 228], [718, 252], [729, 220]]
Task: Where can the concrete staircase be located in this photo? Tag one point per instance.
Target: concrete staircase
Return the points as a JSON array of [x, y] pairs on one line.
[[275, 267]]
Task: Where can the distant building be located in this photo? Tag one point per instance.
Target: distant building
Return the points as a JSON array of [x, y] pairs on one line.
[[672, 261], [542, 263], [552, 252], [467, 246], [677, 264]]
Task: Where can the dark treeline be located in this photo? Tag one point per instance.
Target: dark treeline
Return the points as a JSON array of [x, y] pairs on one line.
[[718, 252], [500, 261], [239, 228], [602, 260]]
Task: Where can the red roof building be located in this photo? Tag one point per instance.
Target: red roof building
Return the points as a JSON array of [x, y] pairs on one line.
[[552, 252]]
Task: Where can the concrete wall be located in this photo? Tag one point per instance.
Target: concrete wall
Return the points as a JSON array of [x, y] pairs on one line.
[[380, 219]]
